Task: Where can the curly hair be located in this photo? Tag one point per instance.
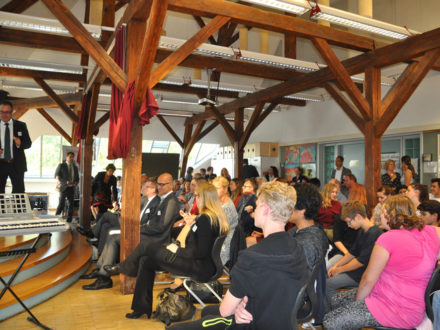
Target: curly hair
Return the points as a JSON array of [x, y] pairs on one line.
[[401, 213], [308, 198]]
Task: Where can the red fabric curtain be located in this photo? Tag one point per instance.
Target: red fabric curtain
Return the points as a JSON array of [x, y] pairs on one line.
[[122, 111], [81, 127]]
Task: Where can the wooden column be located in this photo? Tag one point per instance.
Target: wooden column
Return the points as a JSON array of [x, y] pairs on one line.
[[186, 149], [373, 141], [86, 160], [238, 148], [132, 165]]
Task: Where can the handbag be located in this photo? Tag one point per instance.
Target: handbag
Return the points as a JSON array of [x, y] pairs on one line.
[[203, 292], [173, 307]]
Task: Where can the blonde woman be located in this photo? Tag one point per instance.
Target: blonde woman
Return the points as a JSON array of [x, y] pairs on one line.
[[221, 184], [190, 255], [330, 206], [391, 178]]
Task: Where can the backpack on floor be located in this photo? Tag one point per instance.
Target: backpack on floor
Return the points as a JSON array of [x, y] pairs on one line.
[[173, 307]]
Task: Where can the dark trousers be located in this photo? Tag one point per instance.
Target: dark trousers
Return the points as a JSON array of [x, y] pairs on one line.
[[17, 177], [105, 223], [69, 194]]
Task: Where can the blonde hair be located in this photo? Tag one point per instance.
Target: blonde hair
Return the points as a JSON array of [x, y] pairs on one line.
[[387, 163], [401, 212], [222, 180], [280, 197], [211, 206], [326, 194]]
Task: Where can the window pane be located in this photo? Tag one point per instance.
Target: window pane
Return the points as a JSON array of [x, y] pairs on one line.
[[161, 144], [51, 155], [146, 145], [329, 156], [174, 148], [33, 158]]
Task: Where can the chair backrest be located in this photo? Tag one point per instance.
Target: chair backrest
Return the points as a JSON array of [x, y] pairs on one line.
[[215, 255], [310, 304], [433, 285]]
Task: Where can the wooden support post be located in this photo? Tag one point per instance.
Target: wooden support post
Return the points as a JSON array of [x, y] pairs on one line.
[[238, 148], [186, 149], [76, 111], [86, 160], [372, 141], [132, 164]]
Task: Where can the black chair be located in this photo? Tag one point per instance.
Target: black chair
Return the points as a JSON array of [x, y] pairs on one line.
[[307, 303], [433, 285], [215, 255]]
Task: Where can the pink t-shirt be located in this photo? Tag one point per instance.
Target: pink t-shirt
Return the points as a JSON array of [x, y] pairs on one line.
[[397, 299]]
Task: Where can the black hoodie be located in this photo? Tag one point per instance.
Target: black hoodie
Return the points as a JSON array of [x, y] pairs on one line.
[[270, 273]]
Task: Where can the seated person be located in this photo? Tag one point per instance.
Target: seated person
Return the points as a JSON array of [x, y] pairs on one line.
[[348, 271], [277, 257], [308, 233], [330, 208], [190, 255], [157, 232], [110, 253], [343, 239], [430, 212], [391, 292]]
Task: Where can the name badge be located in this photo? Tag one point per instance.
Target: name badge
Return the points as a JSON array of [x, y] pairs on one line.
[[148, 210], [194, 228], [158, 212], [19, 133]]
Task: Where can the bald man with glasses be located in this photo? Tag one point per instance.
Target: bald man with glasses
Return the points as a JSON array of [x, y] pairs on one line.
[[158, 230]]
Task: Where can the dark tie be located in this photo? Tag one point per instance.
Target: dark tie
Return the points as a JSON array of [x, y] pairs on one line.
[[7, 144], [70, 173]]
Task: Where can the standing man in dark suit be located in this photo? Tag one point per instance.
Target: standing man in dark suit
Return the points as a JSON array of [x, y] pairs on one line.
[[249, 171], [158, 230], [340, 172], [14, 138], [68, 177]]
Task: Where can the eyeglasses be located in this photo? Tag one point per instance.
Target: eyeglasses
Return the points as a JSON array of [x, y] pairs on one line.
[[163, 184], [247, 187], [5, 112], [349, 221], [150, 187]]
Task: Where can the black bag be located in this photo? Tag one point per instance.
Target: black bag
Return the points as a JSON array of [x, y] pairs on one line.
[[173, 307], [203, 292]]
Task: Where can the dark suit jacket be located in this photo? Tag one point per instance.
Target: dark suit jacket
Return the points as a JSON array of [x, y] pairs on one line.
[[345, 171], [110, 188], [62, 172], [159, 226], [149, 213], [250, 171], [20, 131]]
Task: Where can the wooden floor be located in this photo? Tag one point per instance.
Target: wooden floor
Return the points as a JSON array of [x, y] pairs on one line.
[[75, 308]]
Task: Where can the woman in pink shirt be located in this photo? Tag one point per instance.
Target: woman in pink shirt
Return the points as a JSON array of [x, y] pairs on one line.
[[391, 292]]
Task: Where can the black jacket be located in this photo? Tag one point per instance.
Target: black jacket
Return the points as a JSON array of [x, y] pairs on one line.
[[20, 131], [149, 213], [109, 188], [62, 172]]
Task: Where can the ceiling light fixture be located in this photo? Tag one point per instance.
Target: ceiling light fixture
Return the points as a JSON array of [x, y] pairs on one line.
[[42, 66]]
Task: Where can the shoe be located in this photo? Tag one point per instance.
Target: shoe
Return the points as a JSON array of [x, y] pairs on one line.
[[102, 282], [93, 274], [85, 232], [136, 315], [112, 270]]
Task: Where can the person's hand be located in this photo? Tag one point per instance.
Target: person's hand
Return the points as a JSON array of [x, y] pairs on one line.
[[189, 218], [182, 198], [249, 208], [17, 141], [179, 223], [251, 240], [333, 271], [172, 247], [242, 316]]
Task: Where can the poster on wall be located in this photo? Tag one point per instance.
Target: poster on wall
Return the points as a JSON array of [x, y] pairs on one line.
[[300, 155]]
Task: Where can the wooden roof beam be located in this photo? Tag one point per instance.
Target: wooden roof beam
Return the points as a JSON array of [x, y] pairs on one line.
[[271, 21], [17, 6], [58, 100], [84, 38], [399, 52], [249, 128], [202, 24], [186, 49], [346, 106], [46, 75], [23, 105], [222, 120], [148, 50], [405, 86], [55, 124], [342, 76]]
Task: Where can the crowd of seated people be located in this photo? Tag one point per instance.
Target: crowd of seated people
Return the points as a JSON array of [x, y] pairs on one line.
[[358, 248]]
